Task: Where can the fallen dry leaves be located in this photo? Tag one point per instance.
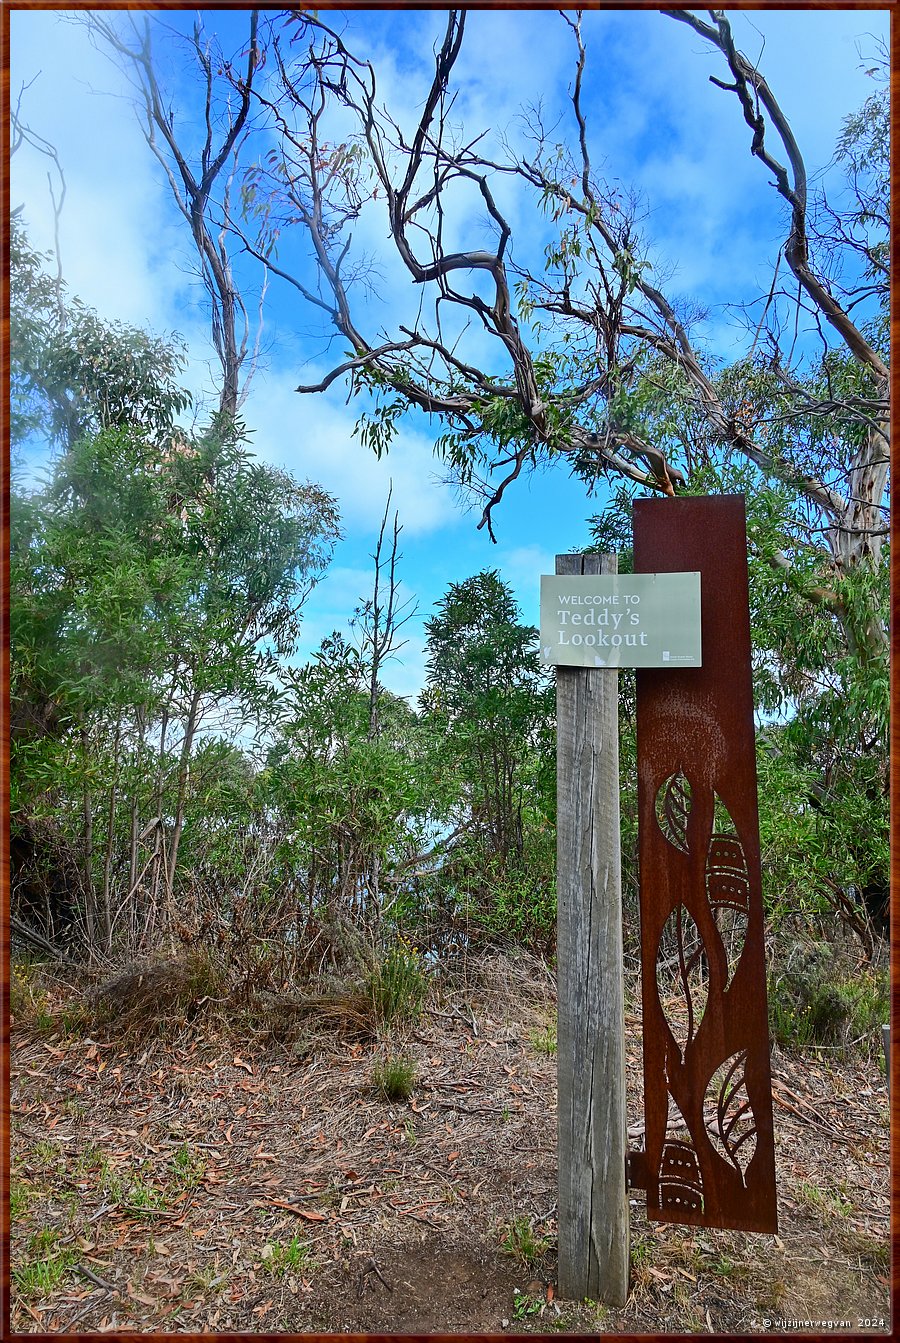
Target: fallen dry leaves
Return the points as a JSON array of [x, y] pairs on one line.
[[161, 1178]]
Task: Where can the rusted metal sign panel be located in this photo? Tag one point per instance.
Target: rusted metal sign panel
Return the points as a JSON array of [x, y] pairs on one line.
[[709, 1157]]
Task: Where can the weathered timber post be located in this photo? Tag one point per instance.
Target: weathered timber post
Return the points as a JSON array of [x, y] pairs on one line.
[[593, 1196]]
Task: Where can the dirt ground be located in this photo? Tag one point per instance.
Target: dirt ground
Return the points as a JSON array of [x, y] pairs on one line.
[[189, 1186]]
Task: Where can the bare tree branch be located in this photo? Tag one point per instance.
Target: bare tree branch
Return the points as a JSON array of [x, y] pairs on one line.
[[193, 189]]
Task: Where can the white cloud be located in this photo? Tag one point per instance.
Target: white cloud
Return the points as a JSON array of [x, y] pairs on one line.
[[115, 246], [312, 436]]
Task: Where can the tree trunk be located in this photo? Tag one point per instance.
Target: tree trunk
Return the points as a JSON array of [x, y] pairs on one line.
[[87, 874], [110, 838], [183, 768]]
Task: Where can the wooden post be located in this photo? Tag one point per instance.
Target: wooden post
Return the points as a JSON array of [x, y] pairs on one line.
[[593, 1195]]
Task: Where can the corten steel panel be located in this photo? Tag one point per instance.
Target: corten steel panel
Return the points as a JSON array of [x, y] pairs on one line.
[[706, 1042]]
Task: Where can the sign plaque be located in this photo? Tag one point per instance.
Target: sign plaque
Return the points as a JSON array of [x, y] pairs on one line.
[[621, 620]]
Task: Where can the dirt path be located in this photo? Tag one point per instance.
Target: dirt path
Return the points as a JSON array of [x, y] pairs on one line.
[[193, 1187]]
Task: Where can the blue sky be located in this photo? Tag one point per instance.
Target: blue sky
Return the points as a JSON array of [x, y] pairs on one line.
[[657, 124]]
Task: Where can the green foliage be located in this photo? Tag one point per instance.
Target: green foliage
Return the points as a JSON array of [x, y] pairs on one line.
[[525, 1305], [45, 1268], [143, 1200], [519, 1239], [544, 1038], [74, 375], [824, 844], [28, 1005], [821, 693], [398, 984], [19, 1200], [494, 704], [156, 579], [815, 1001], [511, 901], [830, 1204], [188, 1168], [279, 1260], [359, 807], [394, 1077]]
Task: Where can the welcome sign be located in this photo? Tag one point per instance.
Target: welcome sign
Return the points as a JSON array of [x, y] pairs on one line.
[[621, 620]]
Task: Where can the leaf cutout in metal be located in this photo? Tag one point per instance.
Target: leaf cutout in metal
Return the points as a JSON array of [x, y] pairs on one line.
[[728, 1114], [673, 807], [723, 821], [676, 1126], [680, 1181], [728, 886], [682, 976]]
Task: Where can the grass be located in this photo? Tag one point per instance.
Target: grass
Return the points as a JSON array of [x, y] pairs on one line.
[[772, 1295], [19, 1200], [212, 1275], [395, 1078], [34, 1002], [87, 1159], [45, 1266], [187, 1168], [158, 997], [543, 1038], [27, 995], [723, 1266], [279, 1260], [599, 1311], [143, 1200], [873, 1252], [642, 1251], [398, 984], [45, 1151], [518, 1238], [832, 1204], [111, 1181]]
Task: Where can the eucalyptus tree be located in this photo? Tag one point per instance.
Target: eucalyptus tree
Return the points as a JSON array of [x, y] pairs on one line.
[[200, 166], [583, 356], [72, 373], [494, 705], [569, 354], [157, 580], [583, 339], [579, 354]]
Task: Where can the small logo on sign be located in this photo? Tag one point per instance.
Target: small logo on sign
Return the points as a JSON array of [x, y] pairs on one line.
[[666, 656]]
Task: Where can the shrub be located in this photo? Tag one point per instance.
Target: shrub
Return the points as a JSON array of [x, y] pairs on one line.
[[398, 984], [28, 1003], [815, 1001], [544, 1038]]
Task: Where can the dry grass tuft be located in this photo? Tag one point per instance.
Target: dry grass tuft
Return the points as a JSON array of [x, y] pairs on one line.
[[154, 997], [281, 1018], [159, 997]]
